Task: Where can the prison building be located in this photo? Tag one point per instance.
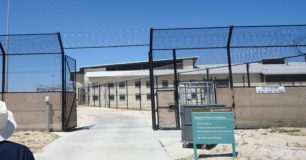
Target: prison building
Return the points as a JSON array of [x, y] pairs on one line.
[[127, 85]]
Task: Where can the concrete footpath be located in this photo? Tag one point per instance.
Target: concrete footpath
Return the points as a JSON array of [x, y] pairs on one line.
[[107, 134]]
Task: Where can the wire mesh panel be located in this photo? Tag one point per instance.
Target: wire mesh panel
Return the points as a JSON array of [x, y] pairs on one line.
[[35, 69], [70, 92], [34, 60]]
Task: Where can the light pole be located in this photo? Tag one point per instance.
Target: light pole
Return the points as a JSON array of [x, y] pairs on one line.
[[7, 43]]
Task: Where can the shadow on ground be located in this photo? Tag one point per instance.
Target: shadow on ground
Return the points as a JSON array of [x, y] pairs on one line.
[[81, 128], [217, 155]]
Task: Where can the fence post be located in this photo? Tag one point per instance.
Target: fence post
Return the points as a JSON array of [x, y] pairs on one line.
[[99, 95], [63, 82], [127, 94], [154, 126], [176, 89], [140, 94], [3, 70], [109, 102], [229, 56], [248, 74], [88, 96], [94, 94], [116, 95]]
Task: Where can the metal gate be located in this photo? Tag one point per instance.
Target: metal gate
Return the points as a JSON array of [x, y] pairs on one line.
[[167, 110], [197, 93], [70, 113]]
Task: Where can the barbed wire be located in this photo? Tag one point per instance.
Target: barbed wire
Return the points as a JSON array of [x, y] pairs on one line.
[[106, 38]]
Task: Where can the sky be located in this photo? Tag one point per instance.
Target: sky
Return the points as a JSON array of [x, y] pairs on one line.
[[80, 16], [103, 16]]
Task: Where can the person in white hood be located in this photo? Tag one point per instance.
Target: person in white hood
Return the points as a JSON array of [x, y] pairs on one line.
[[10, 150]]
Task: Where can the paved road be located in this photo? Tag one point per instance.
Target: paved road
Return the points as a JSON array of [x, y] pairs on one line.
[[116, 134]]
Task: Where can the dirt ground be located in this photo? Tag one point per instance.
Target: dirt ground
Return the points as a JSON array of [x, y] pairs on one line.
[[262, 144], [35, 140]]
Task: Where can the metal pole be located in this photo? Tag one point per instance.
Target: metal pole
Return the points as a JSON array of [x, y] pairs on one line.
[[215, 92], [140, 94], [176, 89], [47, 100], [196, 93], [104, 94], [207, 73], [154, 126], [99, 95], [3, 70], [63, 82], [109, 102], [248, 74], [116, 95], [94, 94], [127, 94], [7, 43], [229, 56], [88, 96], [157, 108]]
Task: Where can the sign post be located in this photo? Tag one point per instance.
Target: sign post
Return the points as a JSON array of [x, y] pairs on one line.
[[212, 128]]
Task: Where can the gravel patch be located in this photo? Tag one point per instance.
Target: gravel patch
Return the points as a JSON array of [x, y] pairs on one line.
[[254, 144], [35, 140]]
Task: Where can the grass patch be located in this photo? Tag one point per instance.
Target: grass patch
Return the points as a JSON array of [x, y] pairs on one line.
[[283, 130], [35, 140], [186, 158]]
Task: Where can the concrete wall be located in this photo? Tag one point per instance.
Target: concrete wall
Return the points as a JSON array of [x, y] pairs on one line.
[[71, 112], [254, 110], [29, 110]]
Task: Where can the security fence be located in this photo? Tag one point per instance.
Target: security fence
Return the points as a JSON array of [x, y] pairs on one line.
[[232, 57], [133, 94], [34, 66]]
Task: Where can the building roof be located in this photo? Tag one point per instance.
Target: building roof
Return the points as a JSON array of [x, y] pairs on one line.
[[266, 69], [135, 65]]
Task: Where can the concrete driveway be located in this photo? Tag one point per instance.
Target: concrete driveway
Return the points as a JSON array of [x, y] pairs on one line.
[[111, 135]]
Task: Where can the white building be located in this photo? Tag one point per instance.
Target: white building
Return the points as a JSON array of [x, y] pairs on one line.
[[127, 85]]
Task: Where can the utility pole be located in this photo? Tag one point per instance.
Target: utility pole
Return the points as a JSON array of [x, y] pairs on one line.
[[7, 43]]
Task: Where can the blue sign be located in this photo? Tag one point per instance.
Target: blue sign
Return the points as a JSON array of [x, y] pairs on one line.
[[213, 128]]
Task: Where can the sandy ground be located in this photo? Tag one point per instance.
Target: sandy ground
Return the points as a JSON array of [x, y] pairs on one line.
[[111, 134], [35, 140], [252, 144]]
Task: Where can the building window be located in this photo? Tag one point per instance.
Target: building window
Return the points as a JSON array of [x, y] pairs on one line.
[[95, 85], [148, 96], [121, 84], [137, 97], [221, 83], [95, 98], [137, 84], [111, 97], [194, 95], [148, 84], [122, 97], [111, 85], [165, 84]]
